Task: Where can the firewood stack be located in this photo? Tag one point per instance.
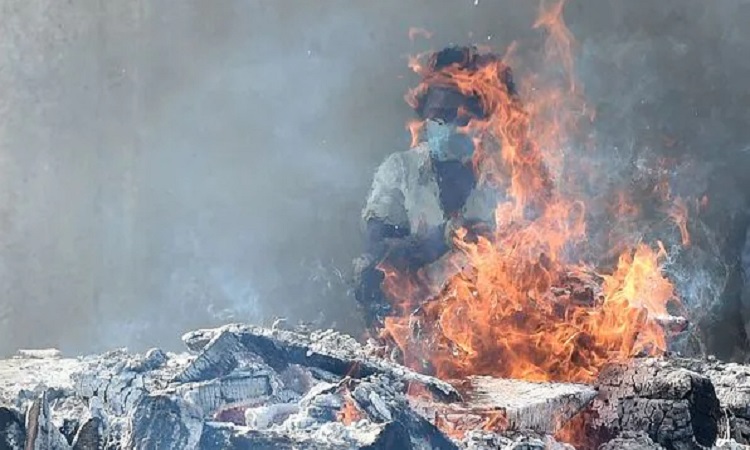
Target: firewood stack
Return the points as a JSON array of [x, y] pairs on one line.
[[250, 387]]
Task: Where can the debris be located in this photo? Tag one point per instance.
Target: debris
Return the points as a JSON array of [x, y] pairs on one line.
[[249, 387], [336, 353]]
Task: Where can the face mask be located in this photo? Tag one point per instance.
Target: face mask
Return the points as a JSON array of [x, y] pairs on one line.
[[446, 143]]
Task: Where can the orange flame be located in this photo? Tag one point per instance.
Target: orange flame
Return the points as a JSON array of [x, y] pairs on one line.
[[349, 412], [514, 302], [678, 212]]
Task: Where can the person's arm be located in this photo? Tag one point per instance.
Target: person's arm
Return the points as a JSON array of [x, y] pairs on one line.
[[385, 219]]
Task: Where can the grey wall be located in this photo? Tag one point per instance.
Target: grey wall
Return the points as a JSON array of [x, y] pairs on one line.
[[171, 164]]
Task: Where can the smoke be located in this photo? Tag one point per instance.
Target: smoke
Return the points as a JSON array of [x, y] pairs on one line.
[[168, 165]]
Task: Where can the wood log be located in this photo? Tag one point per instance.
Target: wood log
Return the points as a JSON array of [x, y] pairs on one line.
[[732, 384], [541, 407], [239, 388], [217, 358], [160, 422], [505, 405], [677, 408], [90, 436], [377, 397], [327, 350]]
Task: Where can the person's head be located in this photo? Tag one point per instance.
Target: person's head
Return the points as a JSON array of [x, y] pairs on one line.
[[446, 103]]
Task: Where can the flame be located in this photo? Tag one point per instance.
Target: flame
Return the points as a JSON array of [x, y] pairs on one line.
[[349, 412], [515, 302], [497, 421], [678, 212]]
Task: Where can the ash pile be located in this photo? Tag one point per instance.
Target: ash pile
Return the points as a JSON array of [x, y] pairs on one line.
[[243, 386]]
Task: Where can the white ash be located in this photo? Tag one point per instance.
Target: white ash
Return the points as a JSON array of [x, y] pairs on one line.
[[291, 397]]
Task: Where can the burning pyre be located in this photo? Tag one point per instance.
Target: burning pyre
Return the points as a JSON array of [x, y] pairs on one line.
[[508, 320], [535, 296]]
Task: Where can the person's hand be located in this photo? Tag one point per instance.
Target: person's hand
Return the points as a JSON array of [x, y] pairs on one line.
[[470, 231], [451, 227]]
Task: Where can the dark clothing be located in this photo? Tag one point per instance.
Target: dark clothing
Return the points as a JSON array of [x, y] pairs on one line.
[[400, 249], [455, 180]]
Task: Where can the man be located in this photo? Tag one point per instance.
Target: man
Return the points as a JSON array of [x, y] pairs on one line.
[[420, 196]]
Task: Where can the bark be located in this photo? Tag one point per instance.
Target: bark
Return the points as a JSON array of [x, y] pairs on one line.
[[677, 408], [732, 384]]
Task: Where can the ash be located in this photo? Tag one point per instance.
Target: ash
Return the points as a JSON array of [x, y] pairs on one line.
[[242, 387]]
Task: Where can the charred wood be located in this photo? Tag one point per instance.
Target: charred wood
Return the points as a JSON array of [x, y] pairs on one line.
[[327, 350], [676, 407], [508, 406], [218, 358], [732, 384], [381, 403], [12, 430], [483, 440], [631, 441], [541, 407], [159, 422], [389, 436], [69, 429], [250, 387], [90, 435], [41, 433], [246, 387]]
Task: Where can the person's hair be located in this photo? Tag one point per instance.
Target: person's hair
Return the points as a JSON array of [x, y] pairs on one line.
[[446, 103]]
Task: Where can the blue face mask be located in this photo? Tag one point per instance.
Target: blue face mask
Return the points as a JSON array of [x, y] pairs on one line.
[[446, 143]]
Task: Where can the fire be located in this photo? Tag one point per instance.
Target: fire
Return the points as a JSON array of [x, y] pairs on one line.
[[679, 214], [516, 302], [349, 412]]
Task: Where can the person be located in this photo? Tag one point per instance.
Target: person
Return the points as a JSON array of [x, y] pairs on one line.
[[420, 196]]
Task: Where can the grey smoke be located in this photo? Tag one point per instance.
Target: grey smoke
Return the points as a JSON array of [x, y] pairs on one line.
[[172, 164]]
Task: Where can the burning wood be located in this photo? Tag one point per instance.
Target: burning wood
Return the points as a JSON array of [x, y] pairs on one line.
[[120, 400], [519, 289], [481, 269], [330, 351], [541, 407], [505, 406]]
